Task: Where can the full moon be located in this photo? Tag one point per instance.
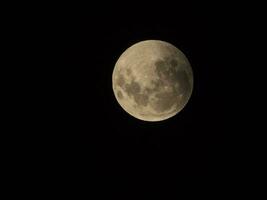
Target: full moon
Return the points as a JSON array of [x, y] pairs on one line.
[[152, 80]]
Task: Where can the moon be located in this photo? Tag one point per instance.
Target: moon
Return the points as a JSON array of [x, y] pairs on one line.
[[152, 80]]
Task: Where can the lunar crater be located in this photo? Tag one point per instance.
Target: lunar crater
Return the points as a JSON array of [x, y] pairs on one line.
[[119, 94], [173, 63], [128, 71]]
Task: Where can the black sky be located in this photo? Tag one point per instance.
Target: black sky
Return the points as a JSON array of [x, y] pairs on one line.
[[67, 131]]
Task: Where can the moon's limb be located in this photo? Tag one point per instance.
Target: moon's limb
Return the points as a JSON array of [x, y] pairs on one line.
[[152, 80]]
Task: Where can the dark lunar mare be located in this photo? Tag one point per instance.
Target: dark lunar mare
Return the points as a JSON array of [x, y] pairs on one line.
[[166, 70], [133, 90]]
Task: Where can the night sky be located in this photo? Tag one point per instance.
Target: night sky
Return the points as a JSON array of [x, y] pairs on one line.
[[116, 150]]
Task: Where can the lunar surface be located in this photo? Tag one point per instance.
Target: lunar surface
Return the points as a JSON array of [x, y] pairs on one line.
[[152, 80]]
